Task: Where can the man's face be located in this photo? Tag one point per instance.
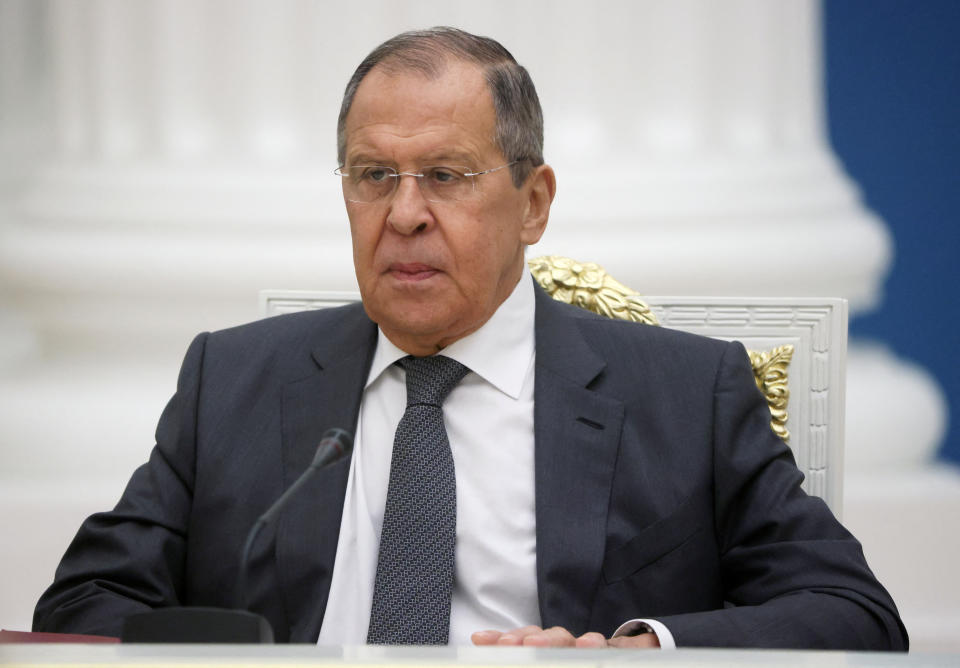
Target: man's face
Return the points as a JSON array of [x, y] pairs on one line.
[[433, 272]]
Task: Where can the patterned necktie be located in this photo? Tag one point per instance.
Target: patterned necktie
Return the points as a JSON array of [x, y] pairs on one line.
[[411, 593]]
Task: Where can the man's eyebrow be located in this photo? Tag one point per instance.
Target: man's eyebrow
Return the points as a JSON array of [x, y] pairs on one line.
[[444, 157], [364, 159], [447, 158]]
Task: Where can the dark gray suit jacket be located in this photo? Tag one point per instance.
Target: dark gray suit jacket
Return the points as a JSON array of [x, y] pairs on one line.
[[660, 492]]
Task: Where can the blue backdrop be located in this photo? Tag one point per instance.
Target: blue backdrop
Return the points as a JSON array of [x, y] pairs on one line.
[[893, 92]]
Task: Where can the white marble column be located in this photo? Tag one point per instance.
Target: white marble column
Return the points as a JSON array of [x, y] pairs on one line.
[[703, 166], [195, 142]]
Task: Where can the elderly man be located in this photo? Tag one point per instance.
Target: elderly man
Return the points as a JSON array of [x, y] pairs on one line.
[[524, 472]]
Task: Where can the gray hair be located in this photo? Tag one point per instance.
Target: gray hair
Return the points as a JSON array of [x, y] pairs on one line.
[[519, 118]]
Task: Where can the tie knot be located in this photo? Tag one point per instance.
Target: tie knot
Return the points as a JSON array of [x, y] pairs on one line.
[[430, 379]]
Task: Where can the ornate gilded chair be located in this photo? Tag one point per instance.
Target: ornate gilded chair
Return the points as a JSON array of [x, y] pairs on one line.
[[797, 347]]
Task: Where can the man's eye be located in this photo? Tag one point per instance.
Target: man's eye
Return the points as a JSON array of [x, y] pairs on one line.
[[444, 175], [376, 174]]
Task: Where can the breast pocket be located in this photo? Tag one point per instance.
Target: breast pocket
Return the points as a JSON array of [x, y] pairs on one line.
[[654, 542]]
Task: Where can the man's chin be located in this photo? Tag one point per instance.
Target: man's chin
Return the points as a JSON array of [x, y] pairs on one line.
[[416, 328]]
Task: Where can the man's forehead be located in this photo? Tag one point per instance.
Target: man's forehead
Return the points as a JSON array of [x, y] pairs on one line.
[[409, 102]]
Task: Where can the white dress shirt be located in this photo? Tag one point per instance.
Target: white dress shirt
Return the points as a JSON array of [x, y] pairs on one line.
[[489, 420]]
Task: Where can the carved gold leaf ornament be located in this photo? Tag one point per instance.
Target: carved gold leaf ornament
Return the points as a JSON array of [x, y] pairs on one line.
[[770, 372], [589, 286]]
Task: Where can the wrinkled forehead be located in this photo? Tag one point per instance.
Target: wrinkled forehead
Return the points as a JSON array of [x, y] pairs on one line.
[[401, 105]]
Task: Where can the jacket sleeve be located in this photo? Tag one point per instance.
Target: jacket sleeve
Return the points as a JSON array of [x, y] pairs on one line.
[[132, 558], [793, 576]]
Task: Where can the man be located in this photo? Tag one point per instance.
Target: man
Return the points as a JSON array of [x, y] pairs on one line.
[[592, 482]]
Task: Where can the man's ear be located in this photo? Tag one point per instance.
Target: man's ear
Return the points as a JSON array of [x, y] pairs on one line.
[[541, 186]]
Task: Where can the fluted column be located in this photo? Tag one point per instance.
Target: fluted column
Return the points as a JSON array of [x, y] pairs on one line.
[[696, 154], [687, 135]]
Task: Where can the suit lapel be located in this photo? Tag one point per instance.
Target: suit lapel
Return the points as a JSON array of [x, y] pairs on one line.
[[577, 433], [308, 529]]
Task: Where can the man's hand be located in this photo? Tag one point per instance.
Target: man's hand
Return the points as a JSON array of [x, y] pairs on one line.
[[534, 636]]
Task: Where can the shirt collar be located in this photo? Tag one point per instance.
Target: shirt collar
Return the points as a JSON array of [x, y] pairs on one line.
[[500, 351]]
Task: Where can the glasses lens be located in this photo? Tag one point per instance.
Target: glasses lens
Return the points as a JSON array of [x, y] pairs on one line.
[[445, 184], [367, 183]]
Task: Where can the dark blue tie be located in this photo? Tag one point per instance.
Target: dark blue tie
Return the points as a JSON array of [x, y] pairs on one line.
[[411, 593]]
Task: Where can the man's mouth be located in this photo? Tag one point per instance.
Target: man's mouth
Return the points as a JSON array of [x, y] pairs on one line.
[[411, 271]]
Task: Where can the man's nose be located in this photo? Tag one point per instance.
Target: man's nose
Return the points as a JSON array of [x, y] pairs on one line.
[[409, 210]]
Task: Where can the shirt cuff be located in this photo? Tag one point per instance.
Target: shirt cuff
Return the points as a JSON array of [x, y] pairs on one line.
[[638, 626]]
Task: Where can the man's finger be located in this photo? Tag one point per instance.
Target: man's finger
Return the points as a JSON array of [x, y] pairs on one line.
[[488, 637], [642, 641], [518, 636], [592, 640], [555, 636]]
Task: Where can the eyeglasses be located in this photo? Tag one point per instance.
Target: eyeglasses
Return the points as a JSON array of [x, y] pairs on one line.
[[370, 183]]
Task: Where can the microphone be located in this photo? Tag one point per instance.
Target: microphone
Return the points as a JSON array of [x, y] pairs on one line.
[[335, 444], [205, 625]]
